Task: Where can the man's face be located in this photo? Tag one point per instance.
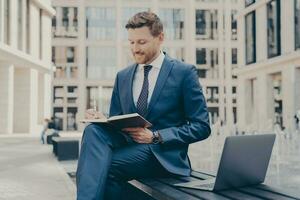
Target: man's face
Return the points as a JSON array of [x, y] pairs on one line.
[[143, 45]]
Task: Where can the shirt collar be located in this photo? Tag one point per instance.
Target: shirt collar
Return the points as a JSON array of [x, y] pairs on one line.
[[157, 63]]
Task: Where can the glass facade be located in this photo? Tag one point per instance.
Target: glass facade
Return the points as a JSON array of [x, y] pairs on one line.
[[100, 23], [250, 36], [101, 62], [206, 24], [273, 27], [173, 22], [297, 24], [126, 15]]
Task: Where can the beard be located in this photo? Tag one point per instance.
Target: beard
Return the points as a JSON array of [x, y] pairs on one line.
[[143, 57]]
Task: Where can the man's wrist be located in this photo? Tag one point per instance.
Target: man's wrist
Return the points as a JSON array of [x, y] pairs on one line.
[[156, 138]]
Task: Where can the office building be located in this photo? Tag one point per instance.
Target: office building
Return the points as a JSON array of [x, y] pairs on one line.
[[25, 65], [269, 64], [90, 45]]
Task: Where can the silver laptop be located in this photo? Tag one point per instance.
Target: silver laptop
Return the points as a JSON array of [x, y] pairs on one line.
[[244, 162]]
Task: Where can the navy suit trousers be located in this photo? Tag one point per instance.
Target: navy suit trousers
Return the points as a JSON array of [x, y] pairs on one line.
[[107, 161]]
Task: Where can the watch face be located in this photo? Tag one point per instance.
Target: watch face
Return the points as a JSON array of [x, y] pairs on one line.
[[155, 140]]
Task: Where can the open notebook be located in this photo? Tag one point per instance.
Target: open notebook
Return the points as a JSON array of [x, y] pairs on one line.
[[122, 121]]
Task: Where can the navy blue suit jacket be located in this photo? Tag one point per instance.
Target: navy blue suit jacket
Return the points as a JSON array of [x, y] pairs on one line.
[[177, 109]]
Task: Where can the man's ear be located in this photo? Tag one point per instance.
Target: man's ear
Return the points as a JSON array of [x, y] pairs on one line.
[[161, 37]]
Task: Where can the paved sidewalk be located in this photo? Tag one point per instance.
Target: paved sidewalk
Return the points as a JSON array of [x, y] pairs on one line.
[[29, 171]]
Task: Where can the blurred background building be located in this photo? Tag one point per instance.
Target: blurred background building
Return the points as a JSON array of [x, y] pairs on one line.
[[90, 45], [25, 65], [269, 65]]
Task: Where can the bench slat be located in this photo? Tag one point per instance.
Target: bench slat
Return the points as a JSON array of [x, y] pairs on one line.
[[292, 194], [264, 193], [237, 195], [198, 193], [160, 191]]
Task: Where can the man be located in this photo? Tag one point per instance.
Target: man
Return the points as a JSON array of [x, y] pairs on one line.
[[163, 90]]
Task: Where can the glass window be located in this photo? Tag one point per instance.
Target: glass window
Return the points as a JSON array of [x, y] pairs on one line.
[[234, 24], [101, 62], [65, 17], [65, 71], [249, 2], [65, 23], [206, 24], [126, 15], [213, 112], [234, 56], [250, 38], [58, 114], [70, 54], [63, 55], [212, 94], [297, 24], [71, 118], [100, 23], [273, 26], [207, 62], [173, 22]]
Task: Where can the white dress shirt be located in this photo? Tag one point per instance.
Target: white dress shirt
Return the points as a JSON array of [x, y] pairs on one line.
[[152, 77]]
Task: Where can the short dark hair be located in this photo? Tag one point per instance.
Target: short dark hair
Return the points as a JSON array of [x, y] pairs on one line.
[[149, 19]]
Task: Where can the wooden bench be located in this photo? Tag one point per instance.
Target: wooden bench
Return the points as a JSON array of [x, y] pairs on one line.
[[163, 189], [65, 148]]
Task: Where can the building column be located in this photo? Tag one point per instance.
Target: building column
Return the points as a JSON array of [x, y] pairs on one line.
[[289, 95], [34, 38], [46, 37], [1, 20], [190, 33], [7, 96], [81, 64], [261, 35], [241, 101], [221, 64], [26, 101], [228, 66], [48, 94], [287, 23], [13, 21], [264, 103], [59, 27]]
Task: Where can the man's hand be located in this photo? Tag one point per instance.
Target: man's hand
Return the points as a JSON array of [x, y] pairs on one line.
[[92, 114], [140, 135]]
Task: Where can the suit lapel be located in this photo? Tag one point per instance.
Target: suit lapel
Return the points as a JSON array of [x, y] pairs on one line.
[[161, 80], [132, 108]]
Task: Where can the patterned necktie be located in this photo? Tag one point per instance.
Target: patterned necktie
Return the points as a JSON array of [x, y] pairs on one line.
[[143, 98]]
